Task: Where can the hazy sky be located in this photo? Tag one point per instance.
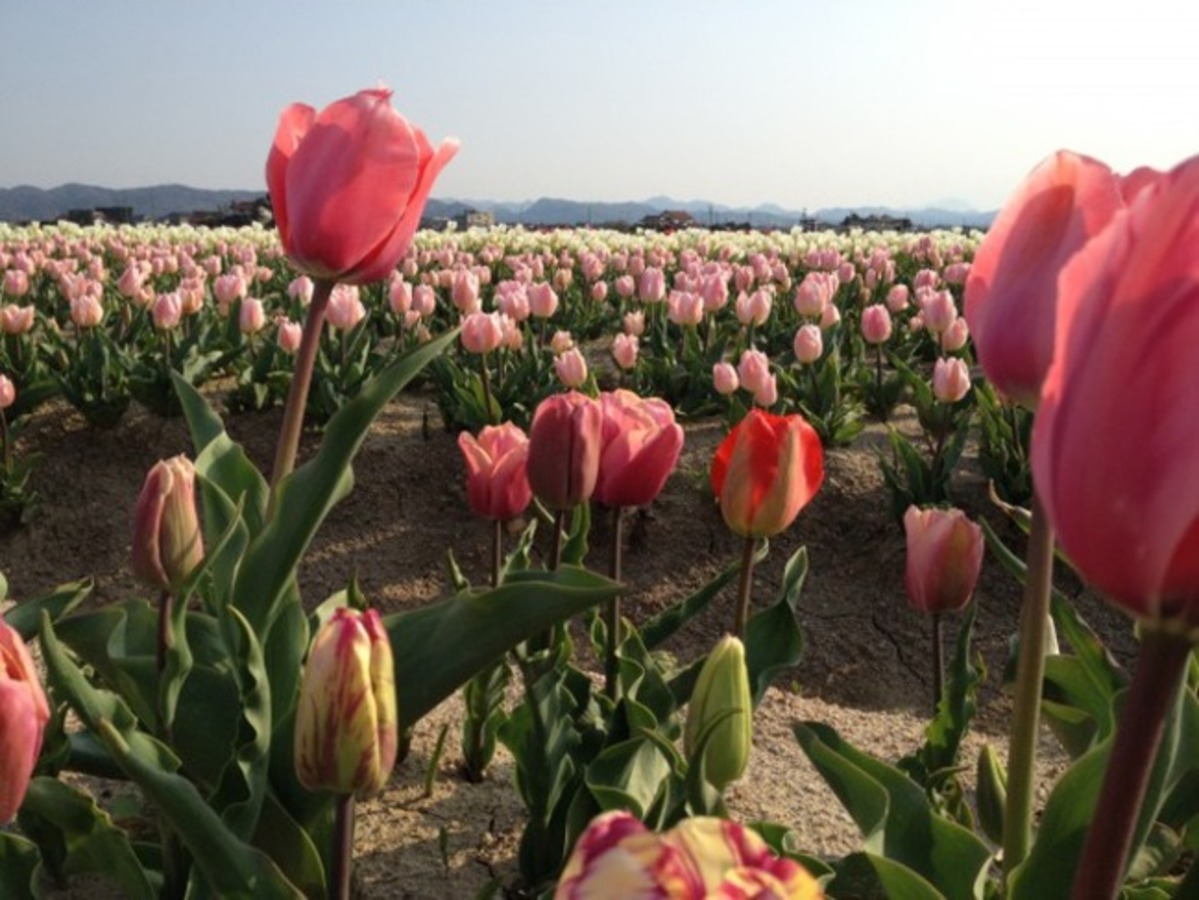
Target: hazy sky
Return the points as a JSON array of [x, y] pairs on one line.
[[806, 103]]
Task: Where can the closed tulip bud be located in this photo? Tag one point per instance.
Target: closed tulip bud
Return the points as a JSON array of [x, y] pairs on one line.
[[24, 713], [289, 335], [301, 289], [561, 341], [228, 288], [564, 449], [481, 332], [625, 286], [8, 392], [724, 378], [464, 291], [599, 291], [939, 311], [640, 446], [767, 393], [251, 317], [753, 370], [955, 336], [897, 298], [571, 368], [808, 344], [876, 324], [345, 308], [543, 302], [167, 311], [497, 486], [652, 286], [399, 297], [634, 323], [168, 544], [721, 711], [944, 557], [951, 380], [86, 311], [16, 283], [16, 319], [349, 184], [424, 300], [765, 471], [346, 732], [624, 350]]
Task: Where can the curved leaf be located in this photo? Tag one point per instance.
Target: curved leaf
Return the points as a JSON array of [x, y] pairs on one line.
[[773, 639]]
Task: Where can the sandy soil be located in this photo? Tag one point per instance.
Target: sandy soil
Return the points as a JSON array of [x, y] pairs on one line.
[[865, 670]]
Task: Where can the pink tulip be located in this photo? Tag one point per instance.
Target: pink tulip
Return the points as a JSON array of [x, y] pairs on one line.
[[168, 544], [86, 311], [228, 288], [897, 298], [564, 449], [955, 336], [399, 297], [8, 392], [251, 317], [724, 378], [300, 288], [830, 317], [424, 300], [808, 344], [951, 380], [652, 286], [464, 291], [16, 283], [497, 486], [24, 713], [753, 370], [625, 348], [349, 184], [1011, 293], [543, 302], [481, 332], [599, 291], [753, 309], [16, 319], [345, 307], [289, 335], [876, 324], [640, 447], [767, 393], [634, 323], [571, 368], [814, 293], [939, 311], [945, 555], [561, 342], [1113, 440], [685, 308], [167, 311], [347, 729]]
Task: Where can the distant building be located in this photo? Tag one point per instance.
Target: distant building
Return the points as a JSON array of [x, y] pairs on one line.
[[240, 214], [876, 223], [473, 218], [669, 220], [101, 215]]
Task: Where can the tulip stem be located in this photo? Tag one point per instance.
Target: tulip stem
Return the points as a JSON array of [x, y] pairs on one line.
[[486, 388], [166, 604], [556, 542], [1161, 663], [497, 551], [343, 848], [4, 439], [938, 659], [612, 609], [744, 589], [297, 395], [1026, 704]]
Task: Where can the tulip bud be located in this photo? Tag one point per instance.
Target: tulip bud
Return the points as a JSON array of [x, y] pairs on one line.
[[721, 712], [724, 378], [168, 544], [8, 392], [564, 449], [251, 317], [346, 719], [808, 344], [571, 368], [951, 380], [23, 716], [944, 556], [991, 793]]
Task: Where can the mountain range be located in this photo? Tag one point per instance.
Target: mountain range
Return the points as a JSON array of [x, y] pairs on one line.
[[26, 203]]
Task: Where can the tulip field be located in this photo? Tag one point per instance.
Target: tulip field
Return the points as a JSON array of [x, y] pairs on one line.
[[346, 559]]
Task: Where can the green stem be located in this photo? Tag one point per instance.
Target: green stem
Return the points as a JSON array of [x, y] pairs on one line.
[[744, 588], [938, 659], [301, 380], [343, 849], [1026, 704], [497, 551], [4, 439], [1161, 663], [174, 866], [486, 388], [612, 610]]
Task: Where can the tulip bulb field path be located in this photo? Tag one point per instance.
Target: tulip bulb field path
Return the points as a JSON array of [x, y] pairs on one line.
[[866, 669]]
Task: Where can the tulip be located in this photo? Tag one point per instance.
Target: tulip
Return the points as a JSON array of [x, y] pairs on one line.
[[228, 288], [724, 378], [702, 856], [1012, 289], [939, 310], [346, 717], [24, 713], [599, 291], [424, 300], [8, 392], [543, 302], [167, 311], [624, 350], [640, 445], [168, 545], [830, 317], [399, 297], [651, 287], [685, 308], [767, 393], [721, 713], [564, 449], [561, 341], [765, 471], [289, 335], [345, 307], [634, 323], [897, 298], [808, 344], [481, 332], [16, 283], [571, 368], [944, 557], [955, 336], [753, 309], [251, 317], [951, 380], [86, 311], [497, 486], [876, 324], [464, 291], [349, 184], [754, 370], [16, 319], [301, 289]]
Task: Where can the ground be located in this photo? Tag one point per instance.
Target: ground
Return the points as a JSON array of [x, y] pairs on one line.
[[865, 669]]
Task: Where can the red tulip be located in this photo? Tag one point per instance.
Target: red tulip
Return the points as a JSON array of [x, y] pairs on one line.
[[641, 444], [1011, 292], [564, 449], [497, 486], [945, 555], [1114, 439], [23, 716], [348, 185], [766, 471]]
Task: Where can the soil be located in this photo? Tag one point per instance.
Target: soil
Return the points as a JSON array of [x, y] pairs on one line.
[[865, 671]]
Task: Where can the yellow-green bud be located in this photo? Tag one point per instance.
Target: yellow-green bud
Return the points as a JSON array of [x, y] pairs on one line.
[[721, 704]]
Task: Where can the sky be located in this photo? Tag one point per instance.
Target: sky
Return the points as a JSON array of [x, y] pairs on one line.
[[801, 103]]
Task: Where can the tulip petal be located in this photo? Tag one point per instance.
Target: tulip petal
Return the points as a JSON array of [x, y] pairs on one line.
[[293, 125], [20, 743]]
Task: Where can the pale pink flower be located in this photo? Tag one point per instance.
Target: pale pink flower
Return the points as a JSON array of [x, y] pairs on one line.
[[300, 288], [753, 370], [625, 286], [399, 296], [897, 298], [951, 380], [288, 335], [8, 392], [464, 291], [424, 300], [345, 309], [561, 341], [624, 350], [830, 317], [685, 308], [16, 319], [251, 317], [652, 286], [543, 302], [571, 368], [876, 324], [724, 378], [481, 332], [599, 291], [808, 344], [634, 323], [955, 336], [767, 393], [167, 311]]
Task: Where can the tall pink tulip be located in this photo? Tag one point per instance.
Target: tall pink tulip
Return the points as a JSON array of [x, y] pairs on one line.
[[1012, 290], [349, 184], [482, 332], [497, 486], [876, 324], [724, 378], [571, 368], [16, 319], [564, 449], [8, 392], [944, 557], [640, 446], [624, 350], [23, 717]]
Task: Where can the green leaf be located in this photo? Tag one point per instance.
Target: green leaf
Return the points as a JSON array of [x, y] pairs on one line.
[[773, 639], [92, 842], [26, 616], [438, 648], [291, 847], [20, 867], [628, 775], [872, 875]]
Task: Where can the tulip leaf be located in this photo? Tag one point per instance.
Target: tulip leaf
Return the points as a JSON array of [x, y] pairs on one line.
[[944, 853], [773, 639], [440, 647], [291, 847], [628, 775], [20, 867], [26, 616], [304, 498], [89, 839], [872, 875], [232, 868], [670, 620]]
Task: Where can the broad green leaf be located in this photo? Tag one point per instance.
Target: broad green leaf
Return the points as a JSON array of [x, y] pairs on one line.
[[20, 867], [872, 875], [291, 847], [26, 617], [439, 647], [773, 639], [628, 775]]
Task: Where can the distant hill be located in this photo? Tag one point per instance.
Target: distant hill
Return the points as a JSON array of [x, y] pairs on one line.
[[27, 203]]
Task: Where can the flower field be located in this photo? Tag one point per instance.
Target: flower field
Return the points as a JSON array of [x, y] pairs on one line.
[[625, 502]]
